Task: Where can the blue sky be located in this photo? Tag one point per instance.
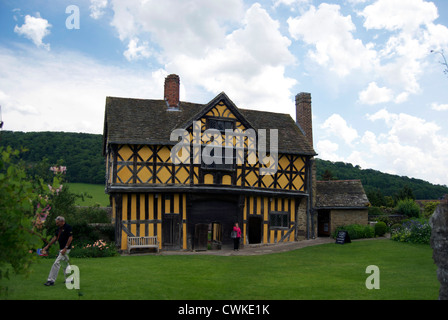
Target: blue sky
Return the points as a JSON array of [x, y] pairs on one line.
[[379, 95]]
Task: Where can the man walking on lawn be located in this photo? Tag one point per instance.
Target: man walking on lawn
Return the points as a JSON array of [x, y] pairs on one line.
[[64, 235]]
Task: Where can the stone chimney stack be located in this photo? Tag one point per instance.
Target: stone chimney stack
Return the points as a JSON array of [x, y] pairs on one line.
[[304, 117], [171, 95]]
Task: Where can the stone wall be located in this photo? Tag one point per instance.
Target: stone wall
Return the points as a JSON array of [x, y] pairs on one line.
[[439, 243], [301, 220], [345, 217], [301, 217]]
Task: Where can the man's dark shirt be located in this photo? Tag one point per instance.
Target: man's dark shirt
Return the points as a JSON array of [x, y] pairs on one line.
[[63, 234]]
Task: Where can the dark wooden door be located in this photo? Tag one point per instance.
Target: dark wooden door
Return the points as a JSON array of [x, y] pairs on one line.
[[201, 236], [171, 225]]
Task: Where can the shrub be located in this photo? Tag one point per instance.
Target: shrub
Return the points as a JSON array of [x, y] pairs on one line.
[[390, 220], [375, 211], [93, 214], [395, 227], [84, 232], [413, 231], [380, 228], [408, 207], [96, 249], [429, 208], [356, 231]]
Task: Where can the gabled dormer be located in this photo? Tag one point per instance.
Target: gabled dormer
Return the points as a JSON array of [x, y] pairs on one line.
[[220, 113]]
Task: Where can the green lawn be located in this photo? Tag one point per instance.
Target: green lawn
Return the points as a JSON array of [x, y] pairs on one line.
[[326, 271], [96, 191]]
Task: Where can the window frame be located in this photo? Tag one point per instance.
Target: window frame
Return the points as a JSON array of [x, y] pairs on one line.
[[223, 166], [279, 220]]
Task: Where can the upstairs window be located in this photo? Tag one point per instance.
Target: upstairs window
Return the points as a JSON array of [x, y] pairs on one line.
[[220, 124], [223, 165]]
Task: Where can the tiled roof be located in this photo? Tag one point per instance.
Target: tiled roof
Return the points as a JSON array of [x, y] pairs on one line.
[[340, 194], [141, 121]]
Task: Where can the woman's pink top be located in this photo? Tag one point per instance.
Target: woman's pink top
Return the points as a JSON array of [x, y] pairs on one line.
[[238, 231]]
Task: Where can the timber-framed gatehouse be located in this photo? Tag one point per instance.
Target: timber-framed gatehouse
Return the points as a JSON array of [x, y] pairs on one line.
[[160, 186]]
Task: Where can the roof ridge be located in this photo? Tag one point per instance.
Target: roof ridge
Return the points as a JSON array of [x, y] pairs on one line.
[[346, 180]]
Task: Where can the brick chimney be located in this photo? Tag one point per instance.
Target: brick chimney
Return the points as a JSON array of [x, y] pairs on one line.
[[171, 95], [304, 117]]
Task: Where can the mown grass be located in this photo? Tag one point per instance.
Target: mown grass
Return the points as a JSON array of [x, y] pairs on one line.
[[96, 192], [326, 271]]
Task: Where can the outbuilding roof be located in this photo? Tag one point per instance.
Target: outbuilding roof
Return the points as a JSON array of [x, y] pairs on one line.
[[340, 194]]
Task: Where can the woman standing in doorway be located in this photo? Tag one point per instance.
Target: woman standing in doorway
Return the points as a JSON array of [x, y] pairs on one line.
[[236, 240]]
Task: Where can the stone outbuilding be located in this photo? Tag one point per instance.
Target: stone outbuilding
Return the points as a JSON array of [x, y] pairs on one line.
[[338, 203]]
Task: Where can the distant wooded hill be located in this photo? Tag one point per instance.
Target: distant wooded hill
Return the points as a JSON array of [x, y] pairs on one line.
[[375, 181], [81, 153]]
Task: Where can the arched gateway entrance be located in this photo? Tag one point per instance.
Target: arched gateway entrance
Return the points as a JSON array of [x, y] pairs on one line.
[[215, 214]]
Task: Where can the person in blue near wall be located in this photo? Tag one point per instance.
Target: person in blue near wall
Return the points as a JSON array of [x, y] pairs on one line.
[[64, 235]]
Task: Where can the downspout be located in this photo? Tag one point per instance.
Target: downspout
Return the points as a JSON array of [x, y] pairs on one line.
[[308, 205], [311, 197]]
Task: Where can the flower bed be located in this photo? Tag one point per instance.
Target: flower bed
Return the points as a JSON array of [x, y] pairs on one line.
[[413, 231], [93, 250]]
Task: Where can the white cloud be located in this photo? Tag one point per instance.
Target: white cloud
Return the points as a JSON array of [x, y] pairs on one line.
[[355, 2], [358, 158], [393, 15], [402, 97], [252, 57], [409, 130], [135, 52], [11, 104], [412, 147], [97, 8], [49, 96], [396, 57], [337, 126], [331, 34], [327, 150], [439, 107], [186, 27], [218, 47], [35, 29], [285, 2], [260, 36], [412, 35], [374, 94], [291, 3]]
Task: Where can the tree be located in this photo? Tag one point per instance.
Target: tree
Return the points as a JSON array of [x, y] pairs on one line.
[[24, 204], [376, 198], [405, 193], [16, 219], [444, 63], [429, 208], [408, 207], [327, 175]]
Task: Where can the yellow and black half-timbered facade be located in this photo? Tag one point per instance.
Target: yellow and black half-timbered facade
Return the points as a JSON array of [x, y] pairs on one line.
[[186, 172]]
